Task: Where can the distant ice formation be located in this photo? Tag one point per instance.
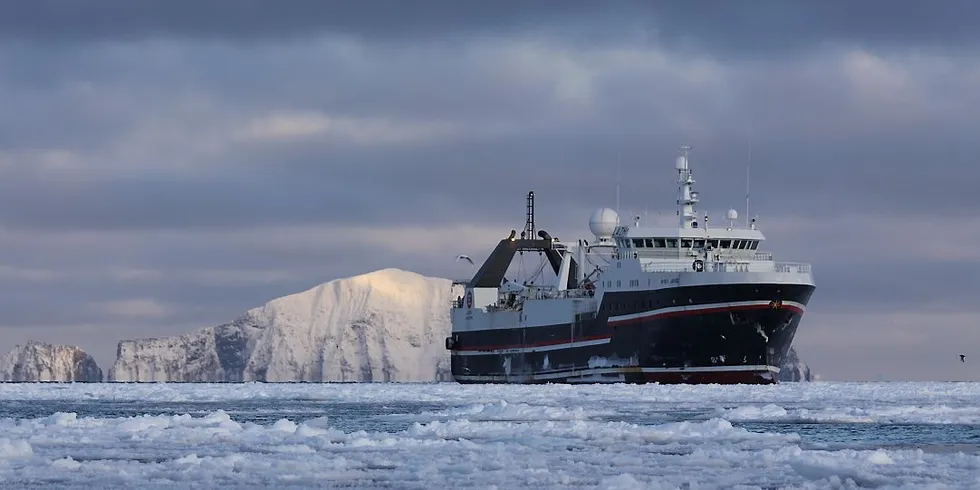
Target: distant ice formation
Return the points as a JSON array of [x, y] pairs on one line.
[[39, 361], [388, 325]]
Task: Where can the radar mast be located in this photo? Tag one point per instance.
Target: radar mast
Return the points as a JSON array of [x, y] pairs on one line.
[[687, 196]]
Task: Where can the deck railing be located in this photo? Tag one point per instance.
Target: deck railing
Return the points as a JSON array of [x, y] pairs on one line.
[[734, 266], [792, 267]]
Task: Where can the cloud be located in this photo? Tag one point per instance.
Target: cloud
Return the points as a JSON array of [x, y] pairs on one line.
[[11, 273], [249, 249], [768, 28], [207, 277], [343, 130], [573, 108], [139, 308], [854, 238], [249, 20]]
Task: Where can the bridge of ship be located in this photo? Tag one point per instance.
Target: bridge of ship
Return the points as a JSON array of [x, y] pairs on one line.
[[727, 249]]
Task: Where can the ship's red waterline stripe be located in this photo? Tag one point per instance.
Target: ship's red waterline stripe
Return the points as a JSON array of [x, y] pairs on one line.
[[741, 374], [531, 345], [694, 310]]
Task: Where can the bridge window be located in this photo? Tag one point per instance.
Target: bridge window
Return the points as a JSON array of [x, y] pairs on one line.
[[755, 244], [725, 244], [698, 243], [659, 243], [671, 243], [648, 242], [713, 243], [737, 244], [685, 243], [638, 242]]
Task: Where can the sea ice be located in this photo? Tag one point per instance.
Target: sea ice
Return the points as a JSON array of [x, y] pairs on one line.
[[444, 435]]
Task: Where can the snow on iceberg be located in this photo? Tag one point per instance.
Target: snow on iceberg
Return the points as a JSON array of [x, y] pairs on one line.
[[388, 325]]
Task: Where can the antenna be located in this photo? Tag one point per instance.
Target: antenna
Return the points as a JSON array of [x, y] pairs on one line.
[[747, 166], [619, 177]]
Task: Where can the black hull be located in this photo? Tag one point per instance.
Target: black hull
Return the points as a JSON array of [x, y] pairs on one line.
[[722, 334]]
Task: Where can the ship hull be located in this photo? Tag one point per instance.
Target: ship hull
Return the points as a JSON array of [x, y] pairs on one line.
[[725, 334]]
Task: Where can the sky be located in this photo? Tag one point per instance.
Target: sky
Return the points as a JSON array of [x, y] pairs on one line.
[[165, 166]]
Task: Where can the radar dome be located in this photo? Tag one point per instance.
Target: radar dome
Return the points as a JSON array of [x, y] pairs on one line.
[[732, 215], [603, 222]]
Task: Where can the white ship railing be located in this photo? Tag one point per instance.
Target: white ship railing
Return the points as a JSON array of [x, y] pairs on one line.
[[674, 253], [792, 267], [551, 293], [778, 267]]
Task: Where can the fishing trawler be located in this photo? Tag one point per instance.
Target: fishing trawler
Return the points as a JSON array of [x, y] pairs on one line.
[[695, 303]]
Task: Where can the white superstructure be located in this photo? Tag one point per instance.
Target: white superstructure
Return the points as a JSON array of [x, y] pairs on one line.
[[694, 252]]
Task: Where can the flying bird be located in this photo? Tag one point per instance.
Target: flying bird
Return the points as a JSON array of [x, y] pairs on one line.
[[466, 258], [962, 358]]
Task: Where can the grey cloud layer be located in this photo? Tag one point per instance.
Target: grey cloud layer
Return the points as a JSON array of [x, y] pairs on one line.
[[762, 27], [161, 168], [212, 152]]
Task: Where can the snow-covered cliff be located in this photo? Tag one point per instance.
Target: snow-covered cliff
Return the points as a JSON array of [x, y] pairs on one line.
[[388, 325], [38, 361], [793, 369]]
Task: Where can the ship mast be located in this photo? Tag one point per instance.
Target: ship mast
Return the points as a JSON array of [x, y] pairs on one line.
[[529, 222], [687, 197]]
